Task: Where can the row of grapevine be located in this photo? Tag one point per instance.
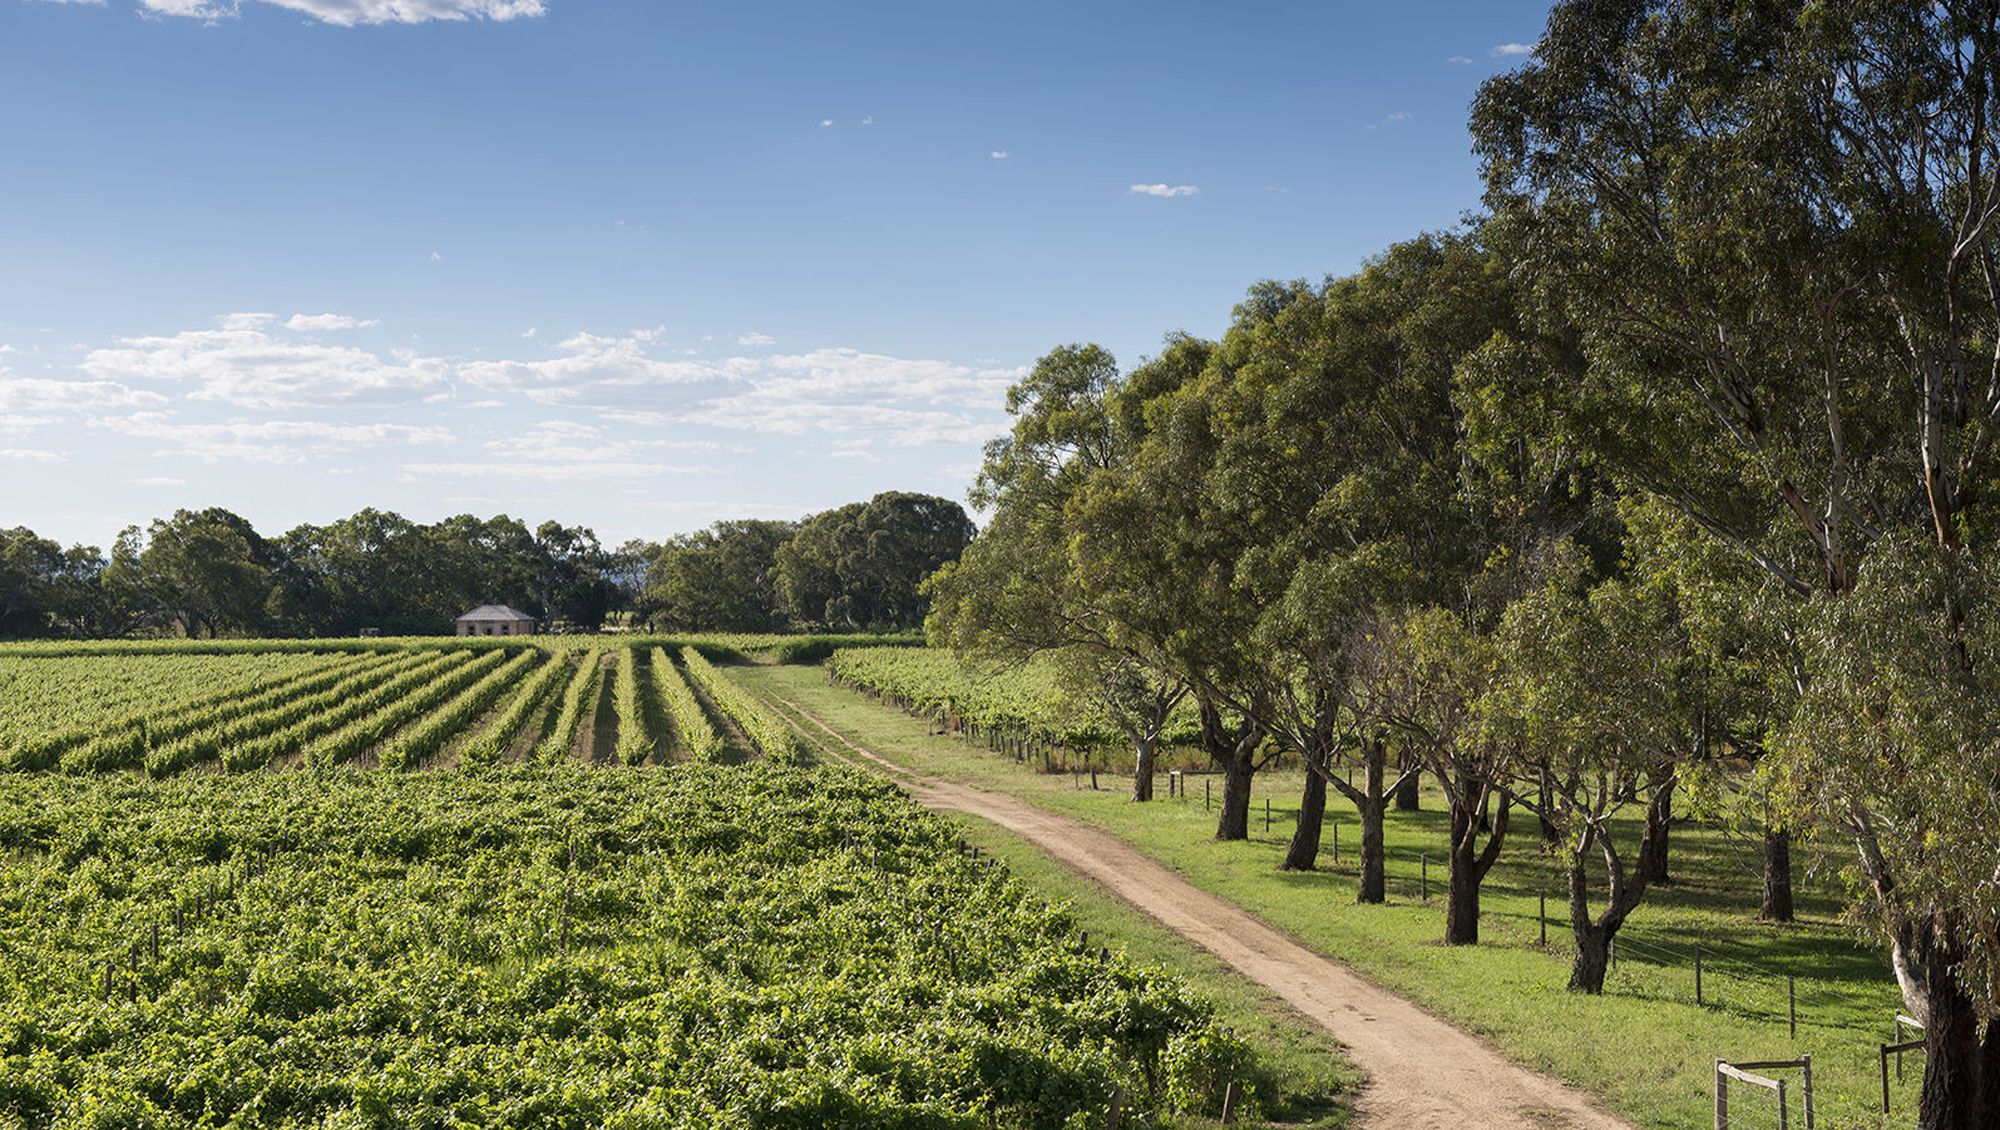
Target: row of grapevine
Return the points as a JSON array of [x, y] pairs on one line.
[[418, 743], [344, 744], [560, 739], [55, 707], [766, 730], [485, 747], [328, 712], [698, 738], [128, 744], [634, 745], [1027, 700], [278, 719]]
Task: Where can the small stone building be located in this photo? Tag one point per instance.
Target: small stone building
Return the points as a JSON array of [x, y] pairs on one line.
[[496, 620]]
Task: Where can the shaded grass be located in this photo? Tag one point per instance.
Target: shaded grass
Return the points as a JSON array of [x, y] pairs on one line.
[[1644, 1046]]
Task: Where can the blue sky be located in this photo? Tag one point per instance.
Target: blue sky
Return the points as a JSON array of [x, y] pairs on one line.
[[644, 265]]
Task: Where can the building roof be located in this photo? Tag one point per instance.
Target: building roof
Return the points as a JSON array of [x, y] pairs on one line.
[[494, 612]]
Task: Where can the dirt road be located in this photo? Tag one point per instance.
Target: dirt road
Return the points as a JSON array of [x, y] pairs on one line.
[[1423, 1073]]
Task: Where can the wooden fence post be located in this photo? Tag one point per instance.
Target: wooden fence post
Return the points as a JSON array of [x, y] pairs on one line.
[[1721, 1098], [1229, 1104]]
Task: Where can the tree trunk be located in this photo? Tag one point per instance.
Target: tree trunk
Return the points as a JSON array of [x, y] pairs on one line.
[[1961, 1054], [1374, 884], [1660, 813], [1236, 753], [1461, 912], [1551, 835], [1234, 823], [1777, 876], [1468, 859], [1407, 796], [1303, 855], [1593, 959], [1142, 772]]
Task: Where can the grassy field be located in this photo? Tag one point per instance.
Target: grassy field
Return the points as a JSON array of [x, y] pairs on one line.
[[1645, 1046]]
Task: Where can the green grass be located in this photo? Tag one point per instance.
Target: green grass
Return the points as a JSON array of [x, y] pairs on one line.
[[1645, 1046]]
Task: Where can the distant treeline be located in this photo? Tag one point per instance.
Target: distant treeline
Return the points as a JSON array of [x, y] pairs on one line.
[[208, 573]]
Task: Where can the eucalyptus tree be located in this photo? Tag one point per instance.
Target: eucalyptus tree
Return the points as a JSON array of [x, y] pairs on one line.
[[1323, 446], [1771, 227], [1075, 561], [1602, 698]]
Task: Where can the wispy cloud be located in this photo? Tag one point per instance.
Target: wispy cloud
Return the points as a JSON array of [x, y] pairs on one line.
[[756, 340], [35, 394], [158, 481], [306, 322], [270, 441], [241, 364], [595, 372], [1163, 190], [1460, 60], [1506, 50], [846, 391], [999, 154], [348, 13], [31, 455]]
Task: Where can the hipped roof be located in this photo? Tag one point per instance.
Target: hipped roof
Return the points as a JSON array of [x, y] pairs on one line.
[[495, 612]]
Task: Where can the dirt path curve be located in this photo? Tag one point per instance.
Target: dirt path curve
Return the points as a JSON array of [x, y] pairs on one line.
[[1423, 1073]]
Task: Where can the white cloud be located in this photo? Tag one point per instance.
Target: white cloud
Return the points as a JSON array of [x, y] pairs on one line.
[[845, 391], [565, 441], [1506, 50], [1399, 116], [21, 425], [329, 322], [531, 332], [241, 364], [158, 481], [869, 120], [756, 340], [272, 441], [599, 372], [435, 256], [542, 472], [1163, 190], [350, 13], [999, 154], [825, 122], [35, 394], [1459, 59], [27, 455]]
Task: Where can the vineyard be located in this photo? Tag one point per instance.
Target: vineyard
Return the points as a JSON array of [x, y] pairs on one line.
[[304, 928], [176, 708], [704, 946]]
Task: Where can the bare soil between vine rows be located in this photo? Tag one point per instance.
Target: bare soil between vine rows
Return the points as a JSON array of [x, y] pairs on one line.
[[1423, 1072]]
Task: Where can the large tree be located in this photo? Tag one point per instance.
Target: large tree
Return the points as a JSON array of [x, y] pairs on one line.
[[1077, 560], [1770, 228]]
